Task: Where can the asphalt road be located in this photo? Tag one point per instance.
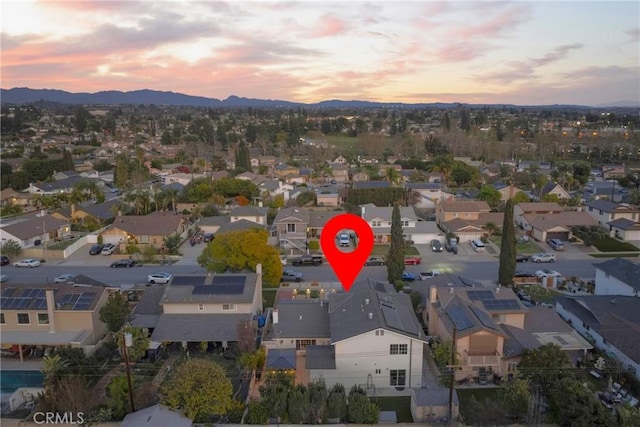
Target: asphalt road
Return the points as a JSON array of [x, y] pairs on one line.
[[484, 267]]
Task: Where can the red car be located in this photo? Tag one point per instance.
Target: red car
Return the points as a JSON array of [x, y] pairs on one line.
[[412, 261]]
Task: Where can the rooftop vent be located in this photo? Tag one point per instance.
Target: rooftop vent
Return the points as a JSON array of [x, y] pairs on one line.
[[450, 290], [366, 301], [370, 316], [613, 301]]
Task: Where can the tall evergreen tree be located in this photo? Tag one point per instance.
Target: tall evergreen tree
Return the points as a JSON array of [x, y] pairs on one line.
[[508, 247], [395, 257], [243, 158]]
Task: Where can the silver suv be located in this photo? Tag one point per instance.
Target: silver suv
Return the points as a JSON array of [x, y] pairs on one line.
[[543, 257]]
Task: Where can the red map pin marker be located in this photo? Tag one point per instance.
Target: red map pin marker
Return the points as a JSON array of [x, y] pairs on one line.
[[346, 265]]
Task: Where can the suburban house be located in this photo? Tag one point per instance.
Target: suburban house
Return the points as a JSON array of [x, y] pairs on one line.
[[340, 172], [611, 323], [202, 308], [360, 177], [249, 213], [250, 176], [211, 224], [413, 228], [317, 221], [454, 209], [145, 229], [429, 194], [375, 338], [328, 195], [492, 328], [625, 229], [535, 209], [612, 191], [59, 186], [34, 229], [100, 212], [156, 415], [552, 188], [506, 191], [297, 324], [555, 225], [40, 317], [8, 197], [275, 187], [613, 171], [289, 229], [618, 276], [283, 170], [467, 219], [605, 211], [64, 175], [181, 178]]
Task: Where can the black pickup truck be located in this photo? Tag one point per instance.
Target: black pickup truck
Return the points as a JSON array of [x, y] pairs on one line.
[[308, 260]]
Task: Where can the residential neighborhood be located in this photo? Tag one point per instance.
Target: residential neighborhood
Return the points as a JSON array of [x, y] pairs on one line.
[[207, 249]]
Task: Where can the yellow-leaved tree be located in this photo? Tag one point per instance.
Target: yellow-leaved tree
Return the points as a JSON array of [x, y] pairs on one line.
[[238, 251]]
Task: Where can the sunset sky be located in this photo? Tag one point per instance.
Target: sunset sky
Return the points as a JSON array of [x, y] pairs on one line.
[[519, 52]]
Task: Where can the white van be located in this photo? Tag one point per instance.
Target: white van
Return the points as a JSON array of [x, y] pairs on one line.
[[477, 245], [344, 240]]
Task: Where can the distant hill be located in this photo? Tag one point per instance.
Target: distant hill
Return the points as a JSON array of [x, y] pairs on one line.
[[25, 95]]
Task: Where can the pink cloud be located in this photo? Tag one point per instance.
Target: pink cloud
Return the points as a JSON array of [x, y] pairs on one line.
[[328, 26], [494, 26]]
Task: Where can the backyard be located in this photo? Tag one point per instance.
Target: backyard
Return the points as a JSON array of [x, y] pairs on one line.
[[269, 296], [400, 405]]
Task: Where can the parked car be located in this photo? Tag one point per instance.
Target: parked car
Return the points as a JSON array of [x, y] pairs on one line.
[[436, 245], [108, 249], [425, 275], [547, 273], [124, 263], [64, 278], [556, 244], [160, 278], [412, 261], [408, 277], [523, 274], [292, 276], [477, 245], [522, 258], [374, 260], [207, 237], [3, 278], [308, 260], [4, 260], [451, 246], [543, 257], [29, 263], [96, 249], [344, 240]]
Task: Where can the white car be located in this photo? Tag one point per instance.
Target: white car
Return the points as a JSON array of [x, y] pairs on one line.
[[426, 275], [543, 257], [547, 273], [3, 278], [160, 278], [29, 262], [64, 278], [108, 249]]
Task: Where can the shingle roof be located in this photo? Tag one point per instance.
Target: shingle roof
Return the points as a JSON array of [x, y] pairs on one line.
[[101, 211], [182, 287], [62, 184], [154, 224], [240, 225], [281, 358], [464, 206], [371, 184], [372, 212], [34, 227], [248, 211], [292, 212], [198, 327], [156, 416], [529, 207], [622, 269], [603, 205], [302, 319], [624, 224], [321, 357]]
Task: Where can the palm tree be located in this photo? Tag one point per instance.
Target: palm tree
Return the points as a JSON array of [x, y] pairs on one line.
[[491, 228], [443, 164], [76, 196], [172, 194], [51, 366], [393, 176], [142, 203]]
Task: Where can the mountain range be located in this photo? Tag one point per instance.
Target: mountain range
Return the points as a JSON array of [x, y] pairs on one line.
[[25, 95]]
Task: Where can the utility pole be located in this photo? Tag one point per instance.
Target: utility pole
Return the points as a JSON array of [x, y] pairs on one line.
[[453, 372], [127, 341]]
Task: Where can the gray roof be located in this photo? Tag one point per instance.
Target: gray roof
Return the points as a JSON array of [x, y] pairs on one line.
[[423, 185], [214, 220], [281, 358], [301, 319], [622, 269], [174, 185], [372, 212], [434, 396], [317, 219], [81, 279], [240, 225], [248, 211], [101, 211], [301, 214], [349, 312], [150, 301], [62, 184], [34, 227], [624, 224], [183, 292], [198, 327], [603, 205], [615, 318], [321, 357], [156, 416], [371, 184]]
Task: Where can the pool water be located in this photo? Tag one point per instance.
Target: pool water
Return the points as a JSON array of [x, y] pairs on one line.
[[10, 381]]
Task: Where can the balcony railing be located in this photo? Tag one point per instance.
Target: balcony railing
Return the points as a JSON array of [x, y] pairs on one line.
[[482, 360], [292, 235]]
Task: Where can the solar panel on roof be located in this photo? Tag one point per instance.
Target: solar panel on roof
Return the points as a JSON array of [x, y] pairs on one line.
[[4, 302], [81, 306], [8, 292], [39, 293], [188, 280], [39, 304], [484, 317], [459, 318], [480, 295], [22, 303], [69, 299], [501, 304]]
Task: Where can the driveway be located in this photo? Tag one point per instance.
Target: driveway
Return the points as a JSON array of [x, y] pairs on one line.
[[190, 253]]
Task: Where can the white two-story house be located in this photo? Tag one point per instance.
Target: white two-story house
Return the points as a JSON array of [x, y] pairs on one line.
[[605, 211], [618, 276], [413, 228]]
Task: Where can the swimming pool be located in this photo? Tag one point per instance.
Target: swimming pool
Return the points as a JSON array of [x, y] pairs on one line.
[[10, 381]]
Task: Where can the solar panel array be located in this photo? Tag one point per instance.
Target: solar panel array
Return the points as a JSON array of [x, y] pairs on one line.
[[480, 295], [8, 292], [459, 318], [84, 302], [501, 304], [35, 299], [228, 280], [7, 303], [484, 317], [39, 304], [33, 293]]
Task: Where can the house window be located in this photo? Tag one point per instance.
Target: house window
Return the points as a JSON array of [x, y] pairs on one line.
[[512, 366], [405, 223], [398, 377], [398, 349], [376, 223], [144, 239], [200, 307], [228, 307], [291, 228], [584, 325], [2, 318], [378, 371], [302, 344], [23, 318], [43, 318], [379, 332]]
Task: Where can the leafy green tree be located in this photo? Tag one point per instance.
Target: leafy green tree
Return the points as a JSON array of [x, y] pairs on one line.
[[172, 243], [11, 248], [360, 409], [515, 396], [116, 312], [318, 400], [444, 164], [305, 198], [337, 403], [550, 198], [544, 365], [118, 396], [508, 247], [395, 256], [140, 341], [242, 250], [299, 404], [199, 388], [581, 172], [461, 175], [275, 395], [393, 176], [257, 413], [442, 353], [489, 195], [571, 404], [232, 187], [520, 197]]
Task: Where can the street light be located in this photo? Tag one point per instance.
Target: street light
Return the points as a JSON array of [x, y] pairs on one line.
[[128, 342]]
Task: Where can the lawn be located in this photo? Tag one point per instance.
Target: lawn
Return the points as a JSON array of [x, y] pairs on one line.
[[521, 248], [480, 394], [609, 244], [401, 406], [616, 255], [382, 250], [344, 144], [269, 296], [541, 294]]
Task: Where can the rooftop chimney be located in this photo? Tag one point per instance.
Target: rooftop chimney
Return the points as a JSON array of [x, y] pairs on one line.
[[258, 268], [451, 290], [275, 316], [366, 301], [498, 289], [51, 303], [370, 316]]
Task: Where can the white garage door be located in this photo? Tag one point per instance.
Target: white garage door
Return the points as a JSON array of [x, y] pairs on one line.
[[111, 239]]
